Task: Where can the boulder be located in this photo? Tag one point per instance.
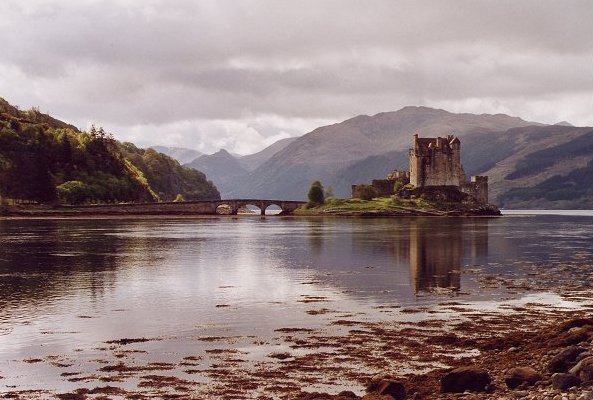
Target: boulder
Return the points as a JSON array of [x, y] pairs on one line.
[[347, 395], [344, 395], [583, 355], [571, 337], [575, 323], [565, 381], [387, 385], [374, 396], [315, 396], [465, 378], [562, 361], [584, 369], [393, 388], [521, 375]]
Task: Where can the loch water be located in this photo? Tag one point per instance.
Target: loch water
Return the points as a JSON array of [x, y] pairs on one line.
[[68, 286]]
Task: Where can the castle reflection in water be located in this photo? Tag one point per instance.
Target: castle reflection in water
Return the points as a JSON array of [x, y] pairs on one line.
[[436, 256]]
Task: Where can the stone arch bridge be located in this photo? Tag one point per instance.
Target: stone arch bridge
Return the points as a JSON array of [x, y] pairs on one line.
[[287, 206], [198, 207]]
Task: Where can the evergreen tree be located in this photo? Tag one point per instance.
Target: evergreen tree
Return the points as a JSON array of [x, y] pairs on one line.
[[315, 195]]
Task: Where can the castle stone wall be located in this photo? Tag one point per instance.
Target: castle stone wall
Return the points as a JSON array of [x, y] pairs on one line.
[[436, 162], [477, 188]]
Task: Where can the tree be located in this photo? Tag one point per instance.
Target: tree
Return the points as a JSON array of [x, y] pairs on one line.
[[398, 186], [74, 192], [315, 195], [328, 192], [179, 198]]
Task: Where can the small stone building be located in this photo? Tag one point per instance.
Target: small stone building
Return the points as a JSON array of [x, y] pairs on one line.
[[385, 187]]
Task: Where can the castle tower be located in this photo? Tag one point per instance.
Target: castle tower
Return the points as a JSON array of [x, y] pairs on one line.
[[436, 162]]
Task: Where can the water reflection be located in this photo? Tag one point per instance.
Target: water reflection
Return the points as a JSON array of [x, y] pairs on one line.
[[44, 261], [437, 253], [395, 258]]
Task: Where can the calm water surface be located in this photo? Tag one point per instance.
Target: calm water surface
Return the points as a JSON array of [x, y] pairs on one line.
[[68, 286]]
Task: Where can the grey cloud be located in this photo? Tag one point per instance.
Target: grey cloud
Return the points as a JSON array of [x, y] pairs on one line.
[[156, 63]]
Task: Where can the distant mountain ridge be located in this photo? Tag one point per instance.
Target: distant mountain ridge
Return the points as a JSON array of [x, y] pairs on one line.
[[511, 151], [180, 154], [336, 154], [252, 161], [222, 168], [226, 169], [530, 165]]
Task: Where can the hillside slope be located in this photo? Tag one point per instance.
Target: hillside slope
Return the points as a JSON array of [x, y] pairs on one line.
[[222, 167], [334, 153], [536, 167], [45, 160], [252, 161]]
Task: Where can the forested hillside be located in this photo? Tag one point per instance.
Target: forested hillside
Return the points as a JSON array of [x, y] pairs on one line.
[[46, 160]]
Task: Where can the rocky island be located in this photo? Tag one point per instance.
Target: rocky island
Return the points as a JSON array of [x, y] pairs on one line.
[[435, 185]]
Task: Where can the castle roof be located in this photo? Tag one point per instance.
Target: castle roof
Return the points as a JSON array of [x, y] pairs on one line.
[[444, 143]]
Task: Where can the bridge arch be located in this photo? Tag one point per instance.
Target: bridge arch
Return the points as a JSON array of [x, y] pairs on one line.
[[276, 208], [254, 207]]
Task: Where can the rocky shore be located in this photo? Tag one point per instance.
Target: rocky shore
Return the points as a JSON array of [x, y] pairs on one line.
[[555, 363], [528, 352]]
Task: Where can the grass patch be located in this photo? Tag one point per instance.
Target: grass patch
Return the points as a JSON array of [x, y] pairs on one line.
[[375, 205]]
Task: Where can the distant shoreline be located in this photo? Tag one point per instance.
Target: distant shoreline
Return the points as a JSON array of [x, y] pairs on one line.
[[32, 213], [146, 216]]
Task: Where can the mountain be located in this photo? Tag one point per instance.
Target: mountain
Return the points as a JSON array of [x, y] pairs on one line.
[[341, 154], [45, 160], [564, 123], [227, 170], [545, 167], [530, 165], [535, 167], [180, 154], [252, 161], [222, 167]]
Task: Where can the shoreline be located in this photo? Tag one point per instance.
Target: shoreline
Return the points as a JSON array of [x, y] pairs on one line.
[[346, 364], [33, 213]]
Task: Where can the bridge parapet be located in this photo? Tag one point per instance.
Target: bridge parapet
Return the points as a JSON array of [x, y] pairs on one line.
[[199, 207]]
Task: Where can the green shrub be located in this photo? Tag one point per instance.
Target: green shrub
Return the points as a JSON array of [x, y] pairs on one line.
[[316, 196], [74, 192]]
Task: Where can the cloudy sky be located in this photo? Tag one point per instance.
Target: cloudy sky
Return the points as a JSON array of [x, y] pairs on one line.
[[206, 74]]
